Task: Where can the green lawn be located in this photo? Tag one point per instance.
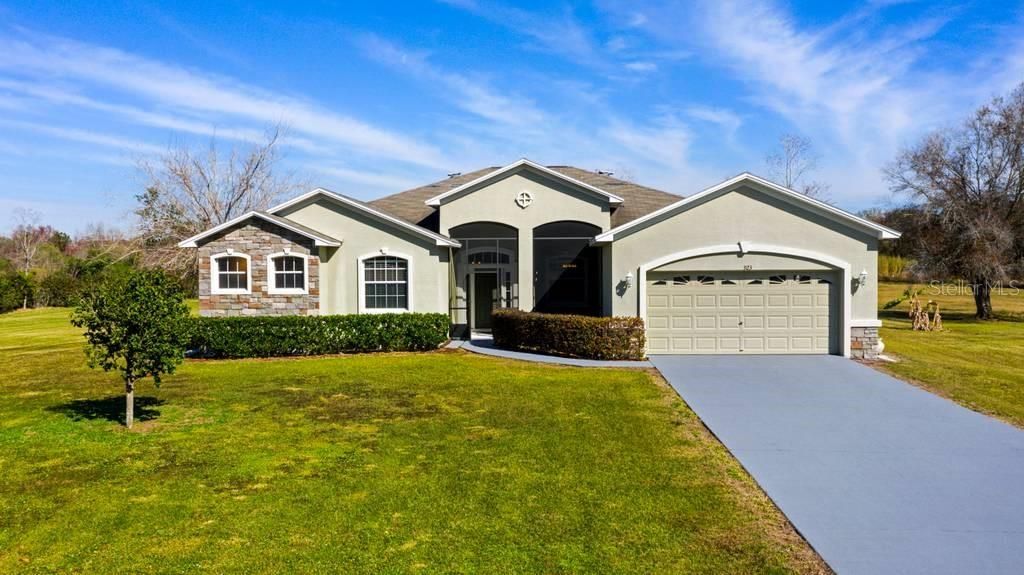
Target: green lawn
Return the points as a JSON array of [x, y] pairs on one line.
[[400, 463], [979, 364]]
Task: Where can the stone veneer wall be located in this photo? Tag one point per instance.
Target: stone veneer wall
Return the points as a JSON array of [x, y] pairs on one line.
[[865, 343], [258, 239]]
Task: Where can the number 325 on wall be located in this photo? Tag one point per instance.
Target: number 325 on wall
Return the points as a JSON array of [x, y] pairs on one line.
[[747, 268]]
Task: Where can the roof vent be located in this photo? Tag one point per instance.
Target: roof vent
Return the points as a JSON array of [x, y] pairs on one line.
[[454, 174], [604, 173]]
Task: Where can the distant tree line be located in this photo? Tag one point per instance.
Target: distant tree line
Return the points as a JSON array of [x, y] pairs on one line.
[[187, 191], [42, 266]]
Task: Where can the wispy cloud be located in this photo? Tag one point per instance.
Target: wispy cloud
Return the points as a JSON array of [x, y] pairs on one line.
[[556, 32], [86, 137], [641, 66], [471, 94], [500, 124], [861, 86], [728, 120], [47, 57]]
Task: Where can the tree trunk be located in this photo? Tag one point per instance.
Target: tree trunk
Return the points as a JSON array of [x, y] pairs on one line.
[[982, 298], [129, 394]]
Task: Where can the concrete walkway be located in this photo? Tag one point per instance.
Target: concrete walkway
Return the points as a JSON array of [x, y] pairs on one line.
[[485, 346], [880, 477]]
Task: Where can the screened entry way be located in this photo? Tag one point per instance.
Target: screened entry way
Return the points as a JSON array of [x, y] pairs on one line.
[[486, 273], [566, 268], [732, 312]]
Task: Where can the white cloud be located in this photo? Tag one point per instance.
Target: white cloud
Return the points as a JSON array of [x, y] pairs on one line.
[[383, 182], [177, 123], [616, 44], [636, 20], [471, 94], [86, 137], [860, 87], [45, 57], [728, 120], [641, 66], [575, 127]]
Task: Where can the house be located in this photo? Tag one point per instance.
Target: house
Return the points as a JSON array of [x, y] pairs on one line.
[[746, 266]]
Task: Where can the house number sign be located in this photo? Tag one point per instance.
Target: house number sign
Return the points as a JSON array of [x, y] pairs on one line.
[[524, 199]]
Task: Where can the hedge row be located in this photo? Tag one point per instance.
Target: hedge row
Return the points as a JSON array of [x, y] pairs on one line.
[[316, 335], [569, 335]]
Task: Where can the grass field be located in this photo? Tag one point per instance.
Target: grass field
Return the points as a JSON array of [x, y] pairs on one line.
[[979, 364], [400, 463]]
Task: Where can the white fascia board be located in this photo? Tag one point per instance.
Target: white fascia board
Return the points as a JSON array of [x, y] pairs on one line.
[[438, 238], [317, 240], [882, 232], [612, 198]]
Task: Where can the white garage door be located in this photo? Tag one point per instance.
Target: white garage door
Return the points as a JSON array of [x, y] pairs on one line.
[[732, 312]]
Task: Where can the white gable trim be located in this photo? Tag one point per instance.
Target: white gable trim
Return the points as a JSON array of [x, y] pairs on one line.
[[818, 206], [438, 238], [612, 198], [317, 240]]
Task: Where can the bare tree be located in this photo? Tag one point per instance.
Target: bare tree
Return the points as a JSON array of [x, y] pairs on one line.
[[970, 181], [26, 240], [791, 162], [188, 191], [28, 236]]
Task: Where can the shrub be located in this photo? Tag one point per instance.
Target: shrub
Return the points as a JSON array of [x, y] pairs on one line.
[[59, 289], [235, 337], [580, 336], [16, 290], [892, 267]]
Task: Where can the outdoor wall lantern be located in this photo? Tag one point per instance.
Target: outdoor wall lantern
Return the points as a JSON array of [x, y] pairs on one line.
[[863, 278], [629, 280]]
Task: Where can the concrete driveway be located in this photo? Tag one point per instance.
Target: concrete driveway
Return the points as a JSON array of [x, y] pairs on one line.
[[880, 477]]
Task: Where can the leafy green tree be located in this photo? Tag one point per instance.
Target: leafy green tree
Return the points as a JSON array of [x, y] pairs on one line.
[[17, 289], [136, 324]]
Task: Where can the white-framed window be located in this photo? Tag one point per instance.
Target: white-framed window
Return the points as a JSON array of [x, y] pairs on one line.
[[287, 273], [385, 283], [230, 273]]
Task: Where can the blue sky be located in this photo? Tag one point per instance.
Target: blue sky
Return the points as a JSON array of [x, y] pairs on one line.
[[381, 96]]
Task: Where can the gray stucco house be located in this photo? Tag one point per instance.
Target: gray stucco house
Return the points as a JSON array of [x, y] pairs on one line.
[[745, 266]]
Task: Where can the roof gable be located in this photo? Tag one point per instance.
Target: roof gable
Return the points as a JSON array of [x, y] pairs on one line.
[[411, 205], [514, 167], [369, 210], [318, 238], [791, 196]]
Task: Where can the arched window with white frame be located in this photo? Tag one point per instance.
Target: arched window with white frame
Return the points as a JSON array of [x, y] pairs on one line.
[[230, 273], [385, 283], [287, 273]]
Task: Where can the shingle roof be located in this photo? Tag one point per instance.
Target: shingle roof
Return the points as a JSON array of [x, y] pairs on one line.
[[637, 200], [296, 226]]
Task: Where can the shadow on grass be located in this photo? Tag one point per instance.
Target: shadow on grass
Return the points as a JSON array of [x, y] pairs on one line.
[[110, 408]]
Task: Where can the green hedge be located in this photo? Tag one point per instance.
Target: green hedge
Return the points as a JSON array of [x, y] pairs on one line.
[[569, 335], [316, 335]]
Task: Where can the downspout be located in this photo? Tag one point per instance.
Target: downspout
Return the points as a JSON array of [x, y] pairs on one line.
[[451, 286]]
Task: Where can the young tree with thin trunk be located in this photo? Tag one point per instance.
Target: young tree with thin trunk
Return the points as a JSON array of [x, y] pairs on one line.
[[792, 162], [136, 324], [188, 191], [970, 181]]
